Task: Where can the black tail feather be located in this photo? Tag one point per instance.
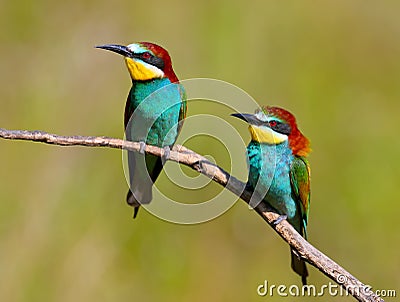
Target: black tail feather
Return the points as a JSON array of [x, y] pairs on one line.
[[133, 203], [299, 266]]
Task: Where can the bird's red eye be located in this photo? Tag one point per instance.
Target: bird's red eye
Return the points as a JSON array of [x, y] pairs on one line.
[[146, 55], [273, 123]]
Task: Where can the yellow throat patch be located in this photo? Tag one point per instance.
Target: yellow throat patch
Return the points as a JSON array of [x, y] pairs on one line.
[[267, 136], [141, 71]]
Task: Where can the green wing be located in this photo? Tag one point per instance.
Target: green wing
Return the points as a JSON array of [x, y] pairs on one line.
[[182, 112], [300, 180]]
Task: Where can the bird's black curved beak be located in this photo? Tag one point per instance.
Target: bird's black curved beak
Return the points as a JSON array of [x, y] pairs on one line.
[[247, 117], [119, 49]]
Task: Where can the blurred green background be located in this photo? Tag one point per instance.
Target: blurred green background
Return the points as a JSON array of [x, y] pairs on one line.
[[66, 233]]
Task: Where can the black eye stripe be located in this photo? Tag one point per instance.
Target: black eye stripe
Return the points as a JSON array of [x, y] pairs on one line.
[[280, 127], [153, 60]]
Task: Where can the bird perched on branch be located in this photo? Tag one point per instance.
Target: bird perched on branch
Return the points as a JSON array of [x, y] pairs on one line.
[[278, 169], [154, 113]]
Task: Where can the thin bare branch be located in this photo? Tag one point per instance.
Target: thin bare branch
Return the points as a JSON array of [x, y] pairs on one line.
[[199, 163]]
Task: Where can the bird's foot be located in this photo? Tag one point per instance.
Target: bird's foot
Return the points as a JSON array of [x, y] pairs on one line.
[[166, 154], [280, 219], [142, 147]]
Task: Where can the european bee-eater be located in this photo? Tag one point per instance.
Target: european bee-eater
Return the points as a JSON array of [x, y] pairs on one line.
[[279, 170], [154, 113]]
